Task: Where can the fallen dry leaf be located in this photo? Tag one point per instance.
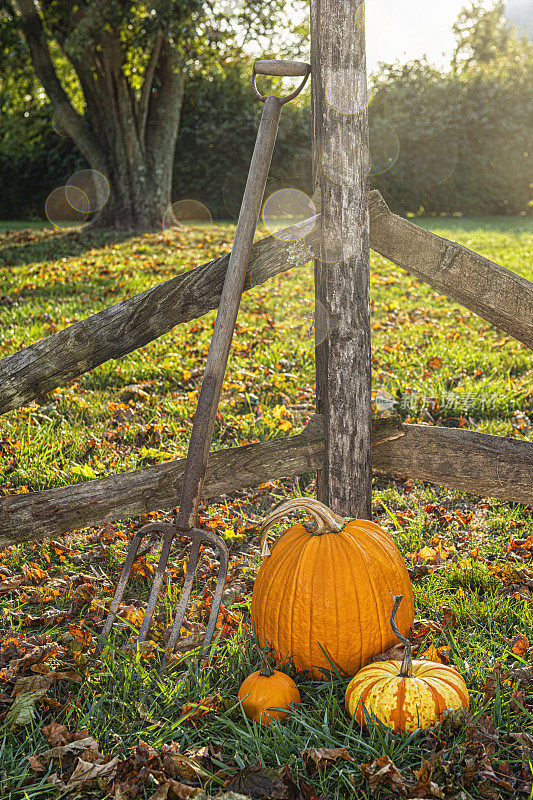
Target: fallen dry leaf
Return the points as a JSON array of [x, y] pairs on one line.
[[258, 782], [449, 619], [173, 790], [492, 685], [35, 764], [186, 766], [22, 710], [518, 699], [434, 363], [382, 772], [525, 742], [73, 749], [35, 656], [56, 734], [321, 757], [301, 790], [491, 784], [396, 653], [50, 617], [423, 627], [431, 654], [10, 585], [85, 772], [205, 706], [519, 645], [481, 731], [144, 715], [32, 683], [425, 786]]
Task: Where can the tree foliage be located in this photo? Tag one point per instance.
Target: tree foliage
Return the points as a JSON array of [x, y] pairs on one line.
[[484, 36], [464, 137], [452, 141], [114, 72]]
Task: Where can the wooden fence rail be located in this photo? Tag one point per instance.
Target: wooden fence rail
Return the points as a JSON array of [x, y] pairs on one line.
[[503, 298], [500, 296], [473, 462]]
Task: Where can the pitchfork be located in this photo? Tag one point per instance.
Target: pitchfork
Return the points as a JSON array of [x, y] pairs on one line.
[[186, 521]]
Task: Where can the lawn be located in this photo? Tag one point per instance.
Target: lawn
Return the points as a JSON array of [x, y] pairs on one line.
[[469, 558]]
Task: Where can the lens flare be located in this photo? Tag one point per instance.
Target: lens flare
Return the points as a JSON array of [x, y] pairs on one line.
[[436, 163], [334, 162], [347, 91], [183, 215], [233, 189], [289, 214], [329, 244], [446, 170], [61, 212], [58, 129], [94, 186], [384, 147], [339, 156]]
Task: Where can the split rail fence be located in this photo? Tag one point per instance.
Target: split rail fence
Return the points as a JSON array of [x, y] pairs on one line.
[[340, 442], [492, 466]]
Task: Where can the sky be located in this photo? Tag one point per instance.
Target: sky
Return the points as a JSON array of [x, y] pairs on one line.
[[406, 29]]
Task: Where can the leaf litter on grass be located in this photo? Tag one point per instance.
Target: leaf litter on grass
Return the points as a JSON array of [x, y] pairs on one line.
[[181, 735]]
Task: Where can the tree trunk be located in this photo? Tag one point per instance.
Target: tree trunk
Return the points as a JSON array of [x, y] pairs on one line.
[[137, 201], [129, 138], [138, 146]]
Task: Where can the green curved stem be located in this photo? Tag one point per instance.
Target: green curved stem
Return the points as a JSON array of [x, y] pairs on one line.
[[406, 670], [266, 670]]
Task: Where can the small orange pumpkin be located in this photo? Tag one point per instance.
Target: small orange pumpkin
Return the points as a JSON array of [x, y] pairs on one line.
[[406, 698], [322, 596], [266, 692]]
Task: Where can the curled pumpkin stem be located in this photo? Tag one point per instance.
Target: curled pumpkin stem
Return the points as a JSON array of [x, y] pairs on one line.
[[266, 670], [406, 670], [324, 519]]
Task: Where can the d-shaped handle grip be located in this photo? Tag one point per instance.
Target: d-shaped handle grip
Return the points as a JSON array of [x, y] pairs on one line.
[[281, 69]]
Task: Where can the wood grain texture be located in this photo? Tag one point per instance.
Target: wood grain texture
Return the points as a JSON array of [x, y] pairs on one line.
[[342, 276], [122, 328], [490, 466], [478, 463], [28, 517], [500, 296]]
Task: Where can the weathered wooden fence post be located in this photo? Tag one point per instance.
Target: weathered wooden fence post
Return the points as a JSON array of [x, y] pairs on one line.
[[340, 159]]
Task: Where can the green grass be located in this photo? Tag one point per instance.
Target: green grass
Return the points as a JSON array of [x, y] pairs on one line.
[[21, 225], [433, 361]]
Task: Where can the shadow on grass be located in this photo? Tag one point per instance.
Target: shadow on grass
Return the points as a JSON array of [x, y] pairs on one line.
[[38, 245]]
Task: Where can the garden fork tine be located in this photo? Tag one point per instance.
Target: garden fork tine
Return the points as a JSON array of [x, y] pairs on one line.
[[119, 591], [169, 532], [186, 522], [198, 536]]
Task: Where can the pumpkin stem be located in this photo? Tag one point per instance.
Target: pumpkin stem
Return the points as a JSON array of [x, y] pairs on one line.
[[266, 670], [406, 670], [324, 519]]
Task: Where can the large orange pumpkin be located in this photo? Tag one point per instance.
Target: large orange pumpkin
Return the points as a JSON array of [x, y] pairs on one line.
[[326, 589], [405, 697]]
